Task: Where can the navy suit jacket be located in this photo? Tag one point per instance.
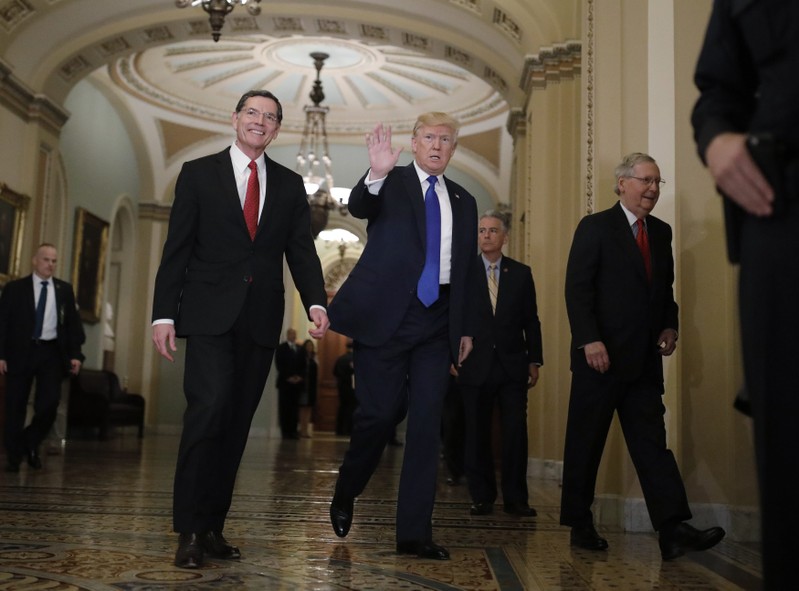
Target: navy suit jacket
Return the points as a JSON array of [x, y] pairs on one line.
[[373, 300], [209, 261], [513, 333], [609, 299], [18, 317]]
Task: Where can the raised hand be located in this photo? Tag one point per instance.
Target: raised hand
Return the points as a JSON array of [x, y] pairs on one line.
[[382, 158]]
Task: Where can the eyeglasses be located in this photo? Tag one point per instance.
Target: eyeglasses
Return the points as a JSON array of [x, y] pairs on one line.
[[256, 114], [648, 180]]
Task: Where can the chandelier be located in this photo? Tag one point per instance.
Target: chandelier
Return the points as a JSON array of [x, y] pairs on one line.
[[218, 9], [313, 159]]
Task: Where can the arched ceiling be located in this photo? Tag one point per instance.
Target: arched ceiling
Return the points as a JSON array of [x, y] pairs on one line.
[[389, 61]]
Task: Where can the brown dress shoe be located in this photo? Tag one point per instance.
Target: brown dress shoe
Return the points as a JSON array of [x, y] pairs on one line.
[[190, 552]]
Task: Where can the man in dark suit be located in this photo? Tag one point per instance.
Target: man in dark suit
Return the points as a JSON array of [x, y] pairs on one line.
[[403, 305], [746, 125], [220, 285], [290, 362], [623, 317], [40, 338], [502, 366]]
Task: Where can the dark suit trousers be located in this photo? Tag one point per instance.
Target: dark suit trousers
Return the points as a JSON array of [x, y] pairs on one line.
[[769, 290], [639, 404], [288, 409], [479, 404], [44, 363], [223, 382], [410, 371]]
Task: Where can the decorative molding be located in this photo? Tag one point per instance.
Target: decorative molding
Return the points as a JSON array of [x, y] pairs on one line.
[[336, 274], [13, 12], [330, 27], [156, 212], [288, 24], [517, 123], [27, 105], [561, 61], [470, 5], [507, 25], [589, 109]]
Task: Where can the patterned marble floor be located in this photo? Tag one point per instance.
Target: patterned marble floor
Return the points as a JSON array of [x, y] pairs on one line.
[[97, 517]]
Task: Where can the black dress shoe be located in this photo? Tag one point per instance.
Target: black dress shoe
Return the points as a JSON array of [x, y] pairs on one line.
[[585, 537], [341, 510], [190, 552], [34, 461], [520, 509], [676, 541], [481, 509], [216, 546], [429, 550]]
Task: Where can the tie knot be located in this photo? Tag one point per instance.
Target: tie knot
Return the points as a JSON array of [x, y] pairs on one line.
[[491, 267], [432, 180], [44, 283], [252, 165]]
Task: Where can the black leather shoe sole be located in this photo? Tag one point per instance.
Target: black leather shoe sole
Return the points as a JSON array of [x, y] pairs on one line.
[[691, 541], [428, 550]]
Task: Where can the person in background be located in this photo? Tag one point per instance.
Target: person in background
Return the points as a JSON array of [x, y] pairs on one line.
[[403, 305], [237, 215], [344, 372], [501, 368], [40, 339], [307, 399], [746, 126], [291, 362], [623, 318]]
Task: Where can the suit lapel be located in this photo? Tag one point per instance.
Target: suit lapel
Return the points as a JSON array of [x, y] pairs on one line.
[[457, 215], [414, 189]]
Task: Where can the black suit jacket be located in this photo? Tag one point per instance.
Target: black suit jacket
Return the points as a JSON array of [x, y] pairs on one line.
[[18, 318], [609, 299], [289, 363], [371, 304], [209, 261], [513, 332]]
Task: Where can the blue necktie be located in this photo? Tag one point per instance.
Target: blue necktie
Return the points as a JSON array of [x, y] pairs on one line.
[[427, 289], [37, 331]]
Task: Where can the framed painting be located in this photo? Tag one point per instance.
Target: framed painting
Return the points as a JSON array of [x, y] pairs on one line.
[[88, 263], [13, 207]]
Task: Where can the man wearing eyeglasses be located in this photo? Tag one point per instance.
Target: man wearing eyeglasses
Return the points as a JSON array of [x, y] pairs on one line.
[[623, 317], [236, 214]]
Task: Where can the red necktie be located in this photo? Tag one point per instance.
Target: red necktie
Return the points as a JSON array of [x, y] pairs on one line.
[[643, 245], [252, 199]]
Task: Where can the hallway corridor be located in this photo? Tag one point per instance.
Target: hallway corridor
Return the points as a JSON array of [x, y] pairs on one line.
[[98, 517]]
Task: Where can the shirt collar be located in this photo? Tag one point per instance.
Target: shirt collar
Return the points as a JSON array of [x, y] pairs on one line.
[[486, 262], [241, 161], [631, 217], [38, 280], [423, 176]]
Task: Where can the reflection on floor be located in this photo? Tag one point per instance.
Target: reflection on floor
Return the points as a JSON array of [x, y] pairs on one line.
[[97, 517]]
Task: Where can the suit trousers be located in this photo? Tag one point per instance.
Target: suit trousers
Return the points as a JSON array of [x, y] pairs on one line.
[[479, 402], [769, 293], [639, 404], [223, 382], [408, 372], [44, 364]]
